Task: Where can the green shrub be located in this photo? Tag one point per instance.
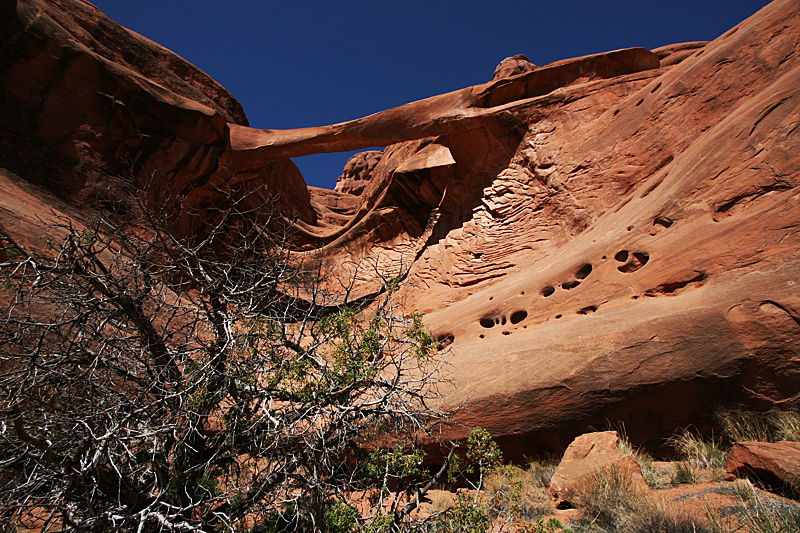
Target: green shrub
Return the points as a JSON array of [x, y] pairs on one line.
[[341, 518], [465, 517], [540, 526]]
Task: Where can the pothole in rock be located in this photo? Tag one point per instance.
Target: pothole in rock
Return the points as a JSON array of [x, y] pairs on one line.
[[662, 221], [633, 262], [518, 316], [584, 271], [444, 340]]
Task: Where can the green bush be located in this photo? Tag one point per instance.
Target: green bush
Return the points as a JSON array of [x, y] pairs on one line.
[[465, 517]]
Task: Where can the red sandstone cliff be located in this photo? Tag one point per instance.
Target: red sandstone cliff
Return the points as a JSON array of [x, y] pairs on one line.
[[606, 238]]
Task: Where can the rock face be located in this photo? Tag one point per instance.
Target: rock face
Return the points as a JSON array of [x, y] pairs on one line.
[[357, 172], [774, 463], [587, 455], [614, 237]]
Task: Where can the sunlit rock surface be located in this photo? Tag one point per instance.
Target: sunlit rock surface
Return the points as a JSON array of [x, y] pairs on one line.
[[607, 239]]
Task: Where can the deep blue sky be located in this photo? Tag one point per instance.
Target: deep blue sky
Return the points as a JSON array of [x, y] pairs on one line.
[[300, 63]]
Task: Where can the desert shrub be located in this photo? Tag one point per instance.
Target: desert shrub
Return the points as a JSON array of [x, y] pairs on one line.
[[150, 382], [540, 526], [341, 518], [465, 516]]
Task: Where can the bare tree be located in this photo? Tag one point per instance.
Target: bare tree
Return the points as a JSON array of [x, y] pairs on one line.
[[157, 383]]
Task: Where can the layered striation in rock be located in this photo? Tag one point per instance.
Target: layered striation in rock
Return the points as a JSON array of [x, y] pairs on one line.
[[607, 238]]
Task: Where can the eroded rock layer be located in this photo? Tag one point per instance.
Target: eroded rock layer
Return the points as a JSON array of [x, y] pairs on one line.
[[607, 239]]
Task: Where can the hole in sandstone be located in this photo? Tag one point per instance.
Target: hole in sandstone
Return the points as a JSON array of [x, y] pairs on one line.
[[506, 333], [630, 228], [603, 258], [487, 322], [323, 170], [588, 309], [621, 256], [583, 271], [547, 291], [525, 327], [616, 112], [558, 316], [518, 316], [491, 297], [445, 340], [481, 336], [639, 102], [672, 287], [522, 293], [568, 285], [636, 262], [503, 321], [654, 89], [636, 297], [662, 221], [698, 54]]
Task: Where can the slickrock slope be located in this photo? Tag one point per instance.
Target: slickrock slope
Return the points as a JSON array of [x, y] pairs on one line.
[[611, 238]]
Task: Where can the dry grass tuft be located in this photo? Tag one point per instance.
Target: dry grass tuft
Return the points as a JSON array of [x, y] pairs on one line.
[[739, 425], [611, 502], [655, 478], [519, 495], [785, 424], [697, 454]]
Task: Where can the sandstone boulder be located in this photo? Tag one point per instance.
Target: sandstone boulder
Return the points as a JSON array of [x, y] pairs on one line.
[[585, 457], [511, 66], [775, 464]]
